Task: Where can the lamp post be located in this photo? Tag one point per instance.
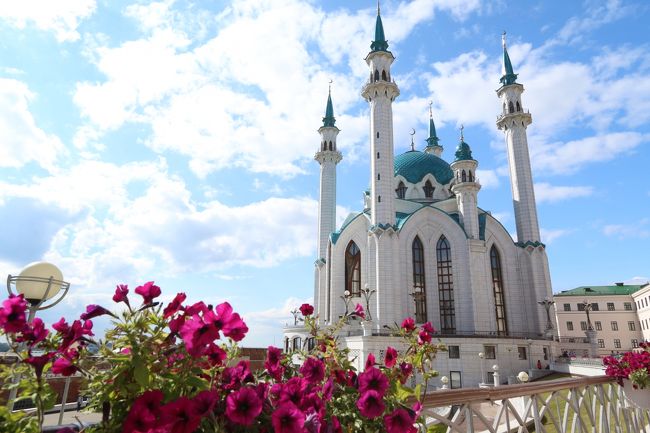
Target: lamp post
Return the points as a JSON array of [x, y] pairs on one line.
[[481, 355], [530, 353], [497, 381], [347, 296], [445, 381], [367, 294], [587, 306], [42, 285]]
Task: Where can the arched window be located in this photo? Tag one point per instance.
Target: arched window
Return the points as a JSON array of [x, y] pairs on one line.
[[518, 106], [401, 190], [353, 269], [311, 343], [286, 344], [497, 287], [419, 289], [428, 189], [511, 108], [445, 287], [463, 176], [383, 76], [376, 75], [297, 343], [470, 176], [330, 145]]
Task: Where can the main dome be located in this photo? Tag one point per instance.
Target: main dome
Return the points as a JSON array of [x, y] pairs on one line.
[[414, 165]]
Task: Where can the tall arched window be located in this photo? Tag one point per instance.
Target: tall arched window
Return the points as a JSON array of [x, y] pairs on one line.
[[511, 107], [428, 189], [401, 190], [463, 176], [383, 76], [518, 106], [376, 75], [419, 289], [353, 269], [445, 287], [497, 287]]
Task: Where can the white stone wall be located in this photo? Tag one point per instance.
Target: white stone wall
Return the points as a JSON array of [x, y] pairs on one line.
[[642, 305]]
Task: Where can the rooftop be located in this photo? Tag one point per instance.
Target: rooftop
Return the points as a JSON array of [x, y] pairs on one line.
[[616, 289]]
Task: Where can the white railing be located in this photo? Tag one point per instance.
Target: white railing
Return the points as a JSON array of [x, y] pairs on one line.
[[582, 405]]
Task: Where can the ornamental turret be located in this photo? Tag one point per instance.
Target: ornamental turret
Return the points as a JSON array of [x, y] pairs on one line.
[[433, 140], [513, 121], [380, 91], [466, 187], [327, 156]]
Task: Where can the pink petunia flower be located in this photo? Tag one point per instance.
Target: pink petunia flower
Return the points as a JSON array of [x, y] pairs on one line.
[[205, 401], [371, 404], [358, 311], [144, 412], [306, 310], [33, 333], [370, 361], [400, 421], [313, 370], [93, 311], [179, 416], [149, 291], [408, 324], [243, 406], [373, 380], [12, 314], [39, 362], [391, 357], [64, 366], [287, 418], [273, 364], [406, 369], [175, 305], [121, 292]]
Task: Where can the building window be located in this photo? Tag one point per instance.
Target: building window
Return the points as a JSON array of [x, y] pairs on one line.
[[419, 292], [610, 306], [428, 189], [601, 343], [297, 343], [599, 325], [455, 379], [617, 343], [545, 350], [583, 326], [311, 343], [401, 190], [631, 326], [286, 344], [614, 326], [627, 306], [521, 351], [490, 352], [353, 269], [499, 297], [445, 287], [594, 306], [454, 352], [581, 307], [569, 326], [635, 343], [490, 377], [567, 307]]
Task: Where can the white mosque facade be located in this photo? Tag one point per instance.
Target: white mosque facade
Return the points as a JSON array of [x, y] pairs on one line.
[[422, 247]]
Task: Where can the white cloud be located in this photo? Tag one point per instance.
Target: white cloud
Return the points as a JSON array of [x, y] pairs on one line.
[[62, 17], [551, 235], [22, 140], [637, 229], [637, 280], [487, 178], [545, 192], [265, 326]]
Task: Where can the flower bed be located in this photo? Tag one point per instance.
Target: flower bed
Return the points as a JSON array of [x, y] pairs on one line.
[[177, 368]]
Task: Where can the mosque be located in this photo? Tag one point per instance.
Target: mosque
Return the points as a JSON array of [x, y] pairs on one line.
[[422, 247]]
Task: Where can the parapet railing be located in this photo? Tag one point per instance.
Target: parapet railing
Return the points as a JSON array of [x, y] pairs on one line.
[[577, 405]]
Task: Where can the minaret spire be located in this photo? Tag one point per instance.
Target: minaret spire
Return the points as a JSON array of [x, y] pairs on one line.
[[380, 43], [432, 141], [329, 119], [509, 77]]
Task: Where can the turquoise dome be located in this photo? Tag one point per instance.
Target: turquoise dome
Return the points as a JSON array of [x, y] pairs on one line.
[[414, 165]]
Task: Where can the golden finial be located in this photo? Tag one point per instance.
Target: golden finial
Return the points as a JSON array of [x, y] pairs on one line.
[[378, 7], [330, 86]]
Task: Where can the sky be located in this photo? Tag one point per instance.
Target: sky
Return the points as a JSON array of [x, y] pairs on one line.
[[173, 141]]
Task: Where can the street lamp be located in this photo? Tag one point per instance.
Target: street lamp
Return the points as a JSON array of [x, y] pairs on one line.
[[444, 380], [547, 303], [530, 353], [367, 294], [481, 355], [587, 307], [41, 284], [347, 296]]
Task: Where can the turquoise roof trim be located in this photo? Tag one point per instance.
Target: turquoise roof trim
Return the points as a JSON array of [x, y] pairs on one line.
[[414, 165], [380, 43], [334, 237], [530, 244], [509, 77], [623, 289], [482, 218], [329, 119], [402, 218]]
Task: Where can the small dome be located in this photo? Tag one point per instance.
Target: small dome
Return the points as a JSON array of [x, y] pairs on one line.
[[463, 152], [414, 165]]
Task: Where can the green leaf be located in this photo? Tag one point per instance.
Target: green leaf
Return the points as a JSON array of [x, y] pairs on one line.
[[403, 392], [140, 372]]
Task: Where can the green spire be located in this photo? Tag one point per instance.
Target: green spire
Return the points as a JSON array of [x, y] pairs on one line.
[[463, 152], [433, 138], [329, 119], [509, 77], [380, 43]]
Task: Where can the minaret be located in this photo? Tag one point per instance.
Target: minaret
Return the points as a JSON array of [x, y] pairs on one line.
[[466, 187], [380, 91], [327, 156], [514, 121], [432, 142]]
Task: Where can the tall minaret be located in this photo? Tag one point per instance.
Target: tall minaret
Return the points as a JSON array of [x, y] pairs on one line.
[[380, 92], [466, 187], [327, 156], [513, 121], [432, 142]]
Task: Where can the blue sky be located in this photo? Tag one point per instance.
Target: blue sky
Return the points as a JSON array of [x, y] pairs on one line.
[[174, 141]]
